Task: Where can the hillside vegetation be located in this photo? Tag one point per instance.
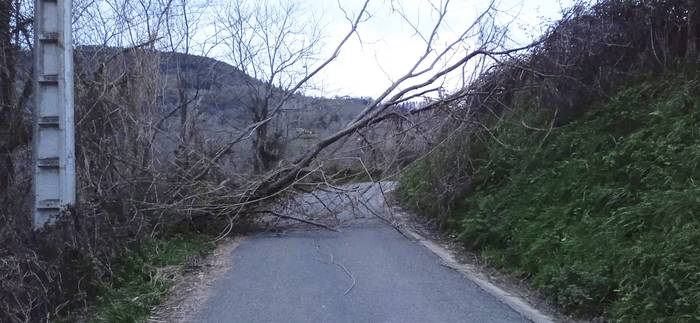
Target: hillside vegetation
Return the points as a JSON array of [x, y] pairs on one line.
[[576, 165], [600, 213]]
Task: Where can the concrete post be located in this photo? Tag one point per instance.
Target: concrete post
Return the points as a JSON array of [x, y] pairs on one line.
[[54, 125]]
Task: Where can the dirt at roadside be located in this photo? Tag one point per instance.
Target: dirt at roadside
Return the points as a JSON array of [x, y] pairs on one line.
[[192, 289]]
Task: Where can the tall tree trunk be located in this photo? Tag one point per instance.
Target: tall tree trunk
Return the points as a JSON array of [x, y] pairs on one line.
[[262, 158], [7, 98], [692, 45], [183, 158]]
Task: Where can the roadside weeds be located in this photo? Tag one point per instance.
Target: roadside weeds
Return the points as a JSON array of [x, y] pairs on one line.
[[509, 290], [193, 288]]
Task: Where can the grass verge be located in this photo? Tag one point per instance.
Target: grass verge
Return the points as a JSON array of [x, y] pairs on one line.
[[144, 276], [602, 213]]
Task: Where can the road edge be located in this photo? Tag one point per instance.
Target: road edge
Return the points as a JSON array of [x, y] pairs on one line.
[[192, 289], [515, 302]]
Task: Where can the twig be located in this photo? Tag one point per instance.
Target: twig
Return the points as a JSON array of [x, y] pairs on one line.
[[332, 261], [289, 217]]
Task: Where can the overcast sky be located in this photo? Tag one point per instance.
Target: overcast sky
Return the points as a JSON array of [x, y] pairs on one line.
[[386, 48], [389, 47]]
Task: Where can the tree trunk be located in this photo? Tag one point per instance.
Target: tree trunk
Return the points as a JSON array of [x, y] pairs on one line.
[[262, 160], [7, 98], [183, 151], [692, 44]]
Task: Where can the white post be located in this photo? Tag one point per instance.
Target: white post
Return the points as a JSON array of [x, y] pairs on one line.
[[54, 125]]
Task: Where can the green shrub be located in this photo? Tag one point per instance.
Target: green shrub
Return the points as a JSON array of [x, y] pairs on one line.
[[143, 277], [603, 213], [414, 189]]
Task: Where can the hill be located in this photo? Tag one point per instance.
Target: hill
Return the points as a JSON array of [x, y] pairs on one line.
[[219, 98]]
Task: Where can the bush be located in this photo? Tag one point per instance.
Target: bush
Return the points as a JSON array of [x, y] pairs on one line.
[[144, 276], [431, 185], [600, 213]]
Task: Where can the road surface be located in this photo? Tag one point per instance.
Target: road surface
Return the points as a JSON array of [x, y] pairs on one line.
[[367, 272]]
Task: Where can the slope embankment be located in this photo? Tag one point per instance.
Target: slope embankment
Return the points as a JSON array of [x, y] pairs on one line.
[[600, 213]]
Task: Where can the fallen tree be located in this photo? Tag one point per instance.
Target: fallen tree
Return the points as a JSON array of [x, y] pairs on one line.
[[131, 185]]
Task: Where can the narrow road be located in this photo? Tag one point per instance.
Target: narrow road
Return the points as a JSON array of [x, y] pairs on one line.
[[367, 272], [302, 277]]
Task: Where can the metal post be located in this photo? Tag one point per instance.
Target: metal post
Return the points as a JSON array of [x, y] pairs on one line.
[[54, 126]]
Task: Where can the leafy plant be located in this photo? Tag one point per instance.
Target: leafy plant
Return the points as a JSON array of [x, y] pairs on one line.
[[144, 276], [601, 213]]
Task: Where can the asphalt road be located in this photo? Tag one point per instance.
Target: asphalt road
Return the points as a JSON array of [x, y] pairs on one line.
[[366, 273]]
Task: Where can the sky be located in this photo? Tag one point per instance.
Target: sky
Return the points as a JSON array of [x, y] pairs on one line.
[[384, 48], [388, 47]]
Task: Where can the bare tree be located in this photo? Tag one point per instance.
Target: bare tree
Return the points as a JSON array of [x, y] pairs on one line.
[[479, 43], [126, 192], [693, 22], [274, 45], [181, 24]]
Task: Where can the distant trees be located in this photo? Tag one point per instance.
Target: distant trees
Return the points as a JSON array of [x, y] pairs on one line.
[[181, 24], [274, 44]]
